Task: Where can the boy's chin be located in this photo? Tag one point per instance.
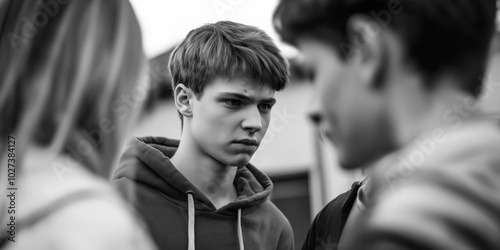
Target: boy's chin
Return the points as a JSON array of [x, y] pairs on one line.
[[238, 161], [350, 162], [357, 161], [348, 165]]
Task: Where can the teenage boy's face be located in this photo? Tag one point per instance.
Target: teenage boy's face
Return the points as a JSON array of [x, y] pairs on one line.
[[348, 110], [231, 118]]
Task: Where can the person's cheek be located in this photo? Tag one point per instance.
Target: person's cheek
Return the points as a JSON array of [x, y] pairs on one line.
[[265, 124], [325, 96]]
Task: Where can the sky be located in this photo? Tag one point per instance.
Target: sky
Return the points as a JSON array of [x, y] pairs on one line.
[[166, 22]]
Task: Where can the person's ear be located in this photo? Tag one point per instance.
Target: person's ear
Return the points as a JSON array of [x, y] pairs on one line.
[[183, 97], [367, 36]]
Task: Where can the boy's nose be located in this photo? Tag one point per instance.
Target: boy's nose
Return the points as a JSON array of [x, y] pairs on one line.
[[252, 121]]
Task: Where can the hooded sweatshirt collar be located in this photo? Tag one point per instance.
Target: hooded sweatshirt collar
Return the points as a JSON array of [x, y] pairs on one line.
[[147, 161]]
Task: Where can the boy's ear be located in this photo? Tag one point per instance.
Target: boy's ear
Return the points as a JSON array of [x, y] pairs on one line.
[[183, 100], [367, 37]]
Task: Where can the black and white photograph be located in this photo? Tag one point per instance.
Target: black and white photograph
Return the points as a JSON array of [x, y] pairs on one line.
[[250, 124]]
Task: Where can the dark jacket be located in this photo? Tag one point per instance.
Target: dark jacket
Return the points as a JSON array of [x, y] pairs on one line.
[[168, 202], [326, 228]]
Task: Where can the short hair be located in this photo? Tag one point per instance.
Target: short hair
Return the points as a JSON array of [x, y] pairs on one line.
[[437, 35], [227, 49]]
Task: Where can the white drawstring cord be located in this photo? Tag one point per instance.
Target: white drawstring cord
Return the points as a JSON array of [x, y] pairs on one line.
[[240, 232], [191, 210], [190, 222]]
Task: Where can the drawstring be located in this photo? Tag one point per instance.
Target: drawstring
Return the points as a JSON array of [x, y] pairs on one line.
[[191, 224], [190, 221], [240, 233]]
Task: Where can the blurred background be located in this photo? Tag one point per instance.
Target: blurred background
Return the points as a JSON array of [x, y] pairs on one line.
[[304, 169]]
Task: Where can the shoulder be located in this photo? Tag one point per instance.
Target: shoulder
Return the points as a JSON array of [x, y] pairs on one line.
[[280, 224], [274, 219], [96, 224], [335, 205], [438, 213], [331, 214], [274, 214], [328, 217]]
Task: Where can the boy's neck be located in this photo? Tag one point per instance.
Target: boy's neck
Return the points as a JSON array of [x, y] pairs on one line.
[[210, 176], [446, 109]]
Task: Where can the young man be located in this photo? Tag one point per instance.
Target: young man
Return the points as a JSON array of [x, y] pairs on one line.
[[415, 66], [353, 118], [202, 192]]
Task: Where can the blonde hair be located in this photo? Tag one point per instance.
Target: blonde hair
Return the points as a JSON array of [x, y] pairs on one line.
[[66, 66]]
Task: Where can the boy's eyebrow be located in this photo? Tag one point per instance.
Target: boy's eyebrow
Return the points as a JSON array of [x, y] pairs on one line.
[[270, 101], [242, 97]]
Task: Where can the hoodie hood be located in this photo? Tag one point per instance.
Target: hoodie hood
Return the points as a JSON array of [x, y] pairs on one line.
[[147, 161]]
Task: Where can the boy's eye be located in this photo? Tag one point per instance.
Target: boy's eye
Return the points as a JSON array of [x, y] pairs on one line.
[[233, 102], [265, 107]]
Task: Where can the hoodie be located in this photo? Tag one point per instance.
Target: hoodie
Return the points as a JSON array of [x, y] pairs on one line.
[[179, 216], [447, 199]]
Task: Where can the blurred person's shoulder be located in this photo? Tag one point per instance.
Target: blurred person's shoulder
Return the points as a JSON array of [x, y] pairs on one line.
[[100, 224], [440, 213], [67, 207], [87, 223], [450, 203]]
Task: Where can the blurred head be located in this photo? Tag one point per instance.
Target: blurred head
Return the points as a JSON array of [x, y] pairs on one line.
[[372, 60], [69, 76], [225, 76]]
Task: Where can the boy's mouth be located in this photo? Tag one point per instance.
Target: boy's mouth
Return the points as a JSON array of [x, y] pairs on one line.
[[248, 142]]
